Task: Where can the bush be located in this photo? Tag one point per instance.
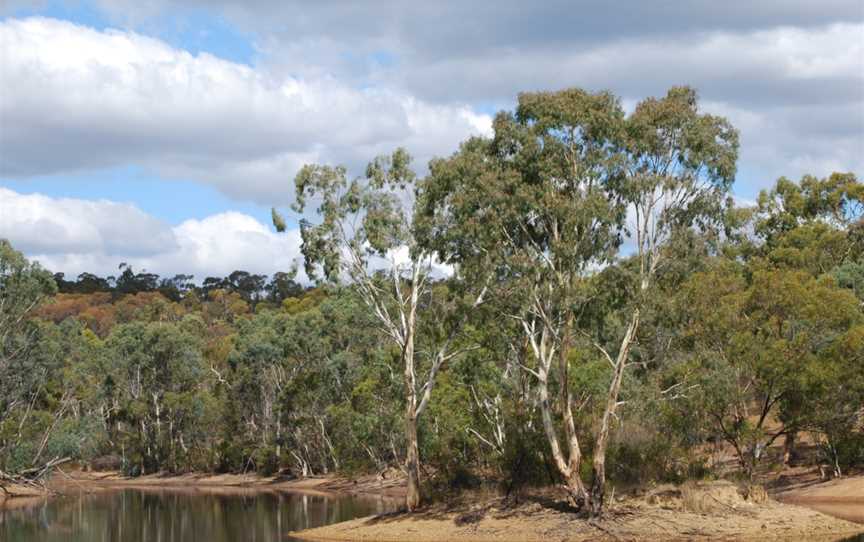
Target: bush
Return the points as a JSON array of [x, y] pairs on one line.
[[266, 461], [844, 449], [643, 456], [710, 498], [523, 463], [78, 438]]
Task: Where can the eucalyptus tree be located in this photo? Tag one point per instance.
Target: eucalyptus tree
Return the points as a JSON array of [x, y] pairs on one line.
[[24, 286], [535, 208], [770, 348], [817, 226], [543, 205], [837, 200], [680, 164], [158, 371], [366, 236]]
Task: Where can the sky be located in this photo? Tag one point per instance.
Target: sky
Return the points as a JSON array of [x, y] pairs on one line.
[[159, 133]]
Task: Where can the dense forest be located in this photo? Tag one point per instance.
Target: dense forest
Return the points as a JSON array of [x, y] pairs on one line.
[[575, 300]]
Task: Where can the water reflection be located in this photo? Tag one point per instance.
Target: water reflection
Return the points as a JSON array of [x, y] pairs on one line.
[[133, 515]]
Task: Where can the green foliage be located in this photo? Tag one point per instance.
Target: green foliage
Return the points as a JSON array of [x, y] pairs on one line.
[[749, 322], [25, 358]]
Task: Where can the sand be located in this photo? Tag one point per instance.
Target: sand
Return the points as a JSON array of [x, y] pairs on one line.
[[544, 519]]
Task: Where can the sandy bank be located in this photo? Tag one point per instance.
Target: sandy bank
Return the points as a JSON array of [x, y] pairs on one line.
[[541, 519], [10, 491]]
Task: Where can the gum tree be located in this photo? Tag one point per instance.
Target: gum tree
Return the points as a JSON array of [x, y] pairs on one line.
[[543, 204], [766, 345], [24, 286], [366, 236], [534, 208], [680, 164]]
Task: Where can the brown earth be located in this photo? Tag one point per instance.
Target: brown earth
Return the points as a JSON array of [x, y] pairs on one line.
[[715, 511]]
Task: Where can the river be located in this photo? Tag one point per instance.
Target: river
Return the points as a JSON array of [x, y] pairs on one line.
[[139, 515]]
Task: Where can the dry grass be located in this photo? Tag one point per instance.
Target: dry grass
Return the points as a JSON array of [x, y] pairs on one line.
[[707, 497]]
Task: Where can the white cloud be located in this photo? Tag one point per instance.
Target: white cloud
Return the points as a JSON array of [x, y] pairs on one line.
[[228, 241], [766, 66], [794, 140], [43, 225], [75, 98], [74, 235], [795, 94]]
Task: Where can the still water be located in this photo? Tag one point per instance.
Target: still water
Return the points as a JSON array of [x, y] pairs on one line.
[[134, 515]]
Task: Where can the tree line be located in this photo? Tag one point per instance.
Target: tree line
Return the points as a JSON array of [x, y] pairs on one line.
[[576, 299], [253, 288]]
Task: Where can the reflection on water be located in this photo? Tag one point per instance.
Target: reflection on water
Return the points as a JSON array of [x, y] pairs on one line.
[[133, 515]]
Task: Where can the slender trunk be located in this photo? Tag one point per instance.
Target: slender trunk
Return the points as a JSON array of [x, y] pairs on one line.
[[543, 346], [279, 442], [412, 455], [568, 467], [412, 464], [146, 439], [575, 489], [598, 471], [171, 445], [788, 447]]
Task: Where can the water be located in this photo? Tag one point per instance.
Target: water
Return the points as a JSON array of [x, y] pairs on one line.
[[138, 515]]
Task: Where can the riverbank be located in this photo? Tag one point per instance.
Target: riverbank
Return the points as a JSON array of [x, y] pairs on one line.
[[10, 491], [390, 485], [715, 511]]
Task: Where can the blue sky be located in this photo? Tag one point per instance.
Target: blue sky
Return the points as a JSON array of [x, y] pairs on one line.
[[189, 119], [195, 30], [173, 200]]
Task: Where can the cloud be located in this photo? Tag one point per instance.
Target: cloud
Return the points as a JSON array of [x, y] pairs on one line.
[[795, 94], [794, 140], [74, 235], [75, 98], [491, 49], [759, 68], [43, 225], [336, 82], [449, 28]]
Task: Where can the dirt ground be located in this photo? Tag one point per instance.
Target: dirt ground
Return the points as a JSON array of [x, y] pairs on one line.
[[712, 511]]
